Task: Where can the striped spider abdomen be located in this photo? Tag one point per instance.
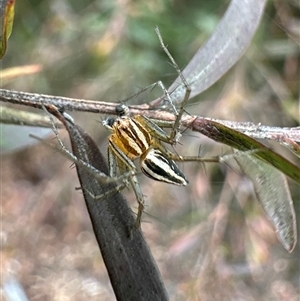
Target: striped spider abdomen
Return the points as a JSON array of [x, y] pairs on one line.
[[158, 167]]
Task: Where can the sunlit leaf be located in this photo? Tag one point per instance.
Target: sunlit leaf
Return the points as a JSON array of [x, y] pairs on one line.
[[274, 195], [7, 10]]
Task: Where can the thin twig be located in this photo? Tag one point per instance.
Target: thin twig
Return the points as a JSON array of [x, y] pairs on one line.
[[256, 131]]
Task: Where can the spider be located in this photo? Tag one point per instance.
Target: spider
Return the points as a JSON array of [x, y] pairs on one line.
[[139, 137]]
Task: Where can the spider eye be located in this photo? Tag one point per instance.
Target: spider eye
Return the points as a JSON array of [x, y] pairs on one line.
[[109, 122], [122, 110], [157, 167]]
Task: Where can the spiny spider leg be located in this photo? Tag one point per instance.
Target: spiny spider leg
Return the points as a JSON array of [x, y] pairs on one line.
[[166, 93], [152, 86], [100, 176], [175, 130], [115, 155]]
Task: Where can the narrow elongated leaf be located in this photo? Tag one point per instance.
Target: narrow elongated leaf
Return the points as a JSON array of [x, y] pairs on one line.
[[7, 11], [129, 263], [273, 193], [237, 140], [224, 48]]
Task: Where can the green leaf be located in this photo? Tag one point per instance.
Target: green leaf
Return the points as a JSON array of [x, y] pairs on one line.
[[7, 18], [237, 140]]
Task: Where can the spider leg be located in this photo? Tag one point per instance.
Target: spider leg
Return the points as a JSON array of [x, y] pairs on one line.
[[116, 189], [115, 155], [99, 175], [175, 157], [63, 149], [139, 196], [167, 94], [154, 129], [175, 130]]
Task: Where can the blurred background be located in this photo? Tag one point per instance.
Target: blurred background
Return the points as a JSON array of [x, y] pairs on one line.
[[211, 240]]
